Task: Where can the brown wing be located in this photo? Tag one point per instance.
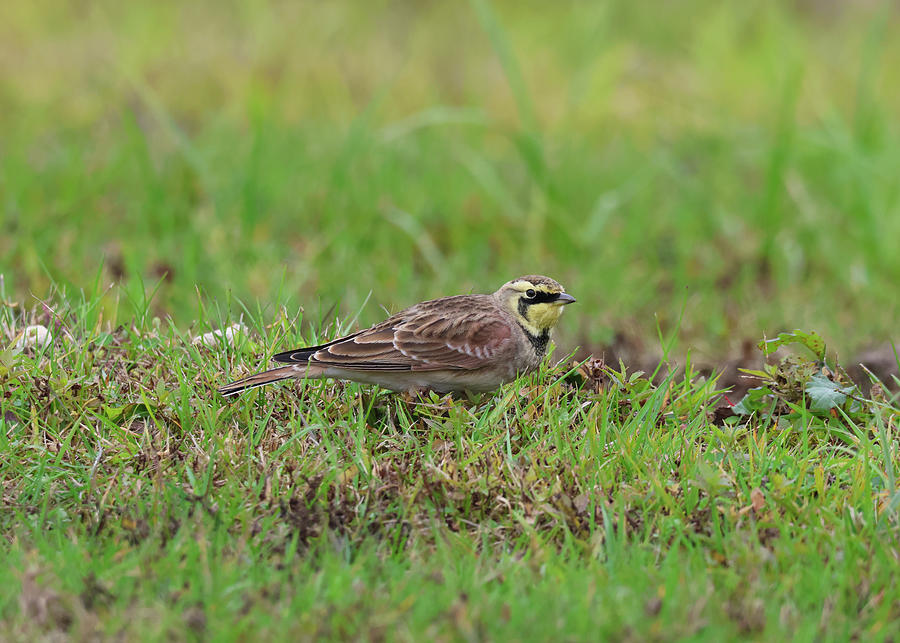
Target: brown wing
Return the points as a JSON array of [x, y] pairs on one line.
[[450, 333]]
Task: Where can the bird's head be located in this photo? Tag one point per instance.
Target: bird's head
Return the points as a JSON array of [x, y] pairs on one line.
[[535, 301]]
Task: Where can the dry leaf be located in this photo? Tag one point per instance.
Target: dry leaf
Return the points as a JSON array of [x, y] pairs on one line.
[[757, 499]]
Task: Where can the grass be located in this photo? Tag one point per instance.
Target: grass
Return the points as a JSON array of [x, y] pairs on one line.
[[739, 168], [138, 504], [696, 183]]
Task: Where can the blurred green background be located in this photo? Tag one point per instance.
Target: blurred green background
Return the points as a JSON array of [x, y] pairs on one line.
[[735, 162]]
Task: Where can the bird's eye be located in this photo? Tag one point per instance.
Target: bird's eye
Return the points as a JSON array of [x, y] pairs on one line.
[[530, 293]]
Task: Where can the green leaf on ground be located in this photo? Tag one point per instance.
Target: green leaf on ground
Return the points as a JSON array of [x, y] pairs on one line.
[[127, 411], [810, 340], [756, 399], [825, 394]]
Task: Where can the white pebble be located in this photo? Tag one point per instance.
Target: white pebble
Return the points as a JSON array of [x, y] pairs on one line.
[[212, 339], [34, 336]]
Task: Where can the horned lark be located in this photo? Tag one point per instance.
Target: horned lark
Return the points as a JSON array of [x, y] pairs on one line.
[[463, 343]]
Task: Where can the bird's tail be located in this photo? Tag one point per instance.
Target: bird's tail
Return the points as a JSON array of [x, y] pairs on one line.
[[260, 379]]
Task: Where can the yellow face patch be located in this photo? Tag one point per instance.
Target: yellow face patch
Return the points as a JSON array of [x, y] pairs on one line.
[[544, 316], [528, 302]]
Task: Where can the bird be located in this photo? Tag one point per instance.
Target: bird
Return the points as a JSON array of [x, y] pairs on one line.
[[463, 343]]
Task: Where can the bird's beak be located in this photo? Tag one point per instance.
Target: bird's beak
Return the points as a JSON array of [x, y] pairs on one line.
[[565, 298]]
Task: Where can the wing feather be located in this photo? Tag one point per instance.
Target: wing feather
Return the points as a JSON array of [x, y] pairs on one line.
[[449, 333]]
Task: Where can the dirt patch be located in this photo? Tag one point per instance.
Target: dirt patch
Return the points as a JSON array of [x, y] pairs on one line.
[[880, 361]]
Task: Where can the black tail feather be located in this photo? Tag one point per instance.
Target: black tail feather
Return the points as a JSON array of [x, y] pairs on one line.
[[303, 354]]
